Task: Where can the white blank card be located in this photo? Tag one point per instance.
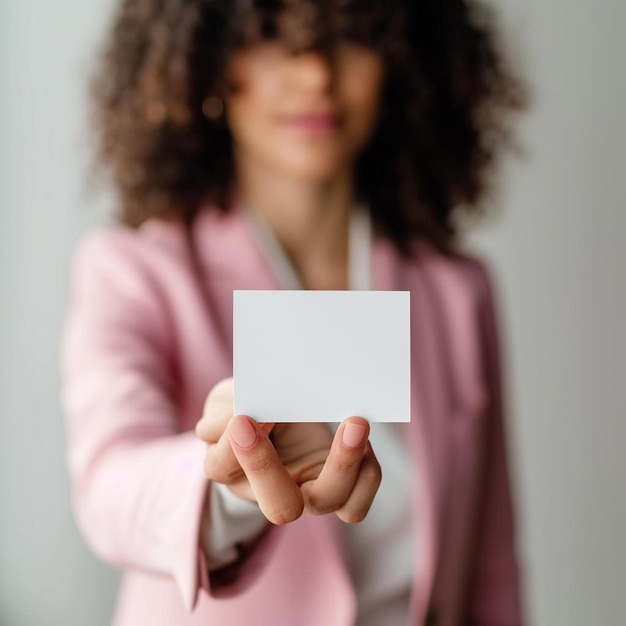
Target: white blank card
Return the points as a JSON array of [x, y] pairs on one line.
[[321, 356]]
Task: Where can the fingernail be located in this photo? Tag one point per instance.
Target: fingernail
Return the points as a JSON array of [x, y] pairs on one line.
[[242, 432], [353, 434]]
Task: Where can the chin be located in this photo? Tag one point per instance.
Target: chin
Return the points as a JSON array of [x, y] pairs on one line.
[[317, 170]]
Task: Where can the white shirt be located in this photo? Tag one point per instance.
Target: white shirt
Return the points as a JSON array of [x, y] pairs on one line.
[[381, 548]]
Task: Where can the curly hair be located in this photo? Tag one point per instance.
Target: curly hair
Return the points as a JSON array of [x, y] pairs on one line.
[[445, 116]]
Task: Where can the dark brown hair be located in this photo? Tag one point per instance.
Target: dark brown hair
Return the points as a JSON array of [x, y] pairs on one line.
[[445, 119]]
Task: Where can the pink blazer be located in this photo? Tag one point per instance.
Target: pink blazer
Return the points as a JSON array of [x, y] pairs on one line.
[[139, 353]]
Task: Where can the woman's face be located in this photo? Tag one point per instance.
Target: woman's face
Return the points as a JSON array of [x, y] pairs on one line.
[[303, 115]]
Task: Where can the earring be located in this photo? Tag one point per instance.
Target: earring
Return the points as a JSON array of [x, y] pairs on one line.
[[213, 108]]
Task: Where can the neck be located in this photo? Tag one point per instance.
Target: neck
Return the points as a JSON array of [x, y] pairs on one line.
[[309, 219]]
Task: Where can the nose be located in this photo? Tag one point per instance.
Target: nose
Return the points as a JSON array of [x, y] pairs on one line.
[[312, 72]]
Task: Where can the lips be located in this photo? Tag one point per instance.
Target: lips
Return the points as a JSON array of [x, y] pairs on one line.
[[313, 122]]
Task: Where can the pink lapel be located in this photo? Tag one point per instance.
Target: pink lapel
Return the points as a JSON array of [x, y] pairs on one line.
[[422, 433], [230, 250], [230, 260]]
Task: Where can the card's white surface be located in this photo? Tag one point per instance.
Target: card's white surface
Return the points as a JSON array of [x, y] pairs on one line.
[[321, 356]]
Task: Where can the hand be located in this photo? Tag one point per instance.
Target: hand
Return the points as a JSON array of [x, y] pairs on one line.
[[302, 467]]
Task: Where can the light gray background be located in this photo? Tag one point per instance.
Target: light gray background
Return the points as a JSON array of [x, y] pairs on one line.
[[559, 253]]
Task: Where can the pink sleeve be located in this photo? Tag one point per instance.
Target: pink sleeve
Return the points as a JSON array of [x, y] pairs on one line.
[[137, 480], [495, 598]]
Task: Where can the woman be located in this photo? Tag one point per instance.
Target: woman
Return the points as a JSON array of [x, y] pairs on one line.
[[290, 144]]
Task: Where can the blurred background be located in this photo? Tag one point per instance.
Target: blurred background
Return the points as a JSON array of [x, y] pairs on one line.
[[557, 245]]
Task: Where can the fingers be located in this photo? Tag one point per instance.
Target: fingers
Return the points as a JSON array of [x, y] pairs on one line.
[[362, 496], [220, 463], [241, 456], [351, 468], [218, 409], [277, 495]]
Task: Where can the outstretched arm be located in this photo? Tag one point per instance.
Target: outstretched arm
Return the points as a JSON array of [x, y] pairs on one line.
[[139, 489]]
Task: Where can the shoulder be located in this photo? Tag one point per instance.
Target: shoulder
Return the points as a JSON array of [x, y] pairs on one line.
[[125, 256], [116, 242], [458, 276]]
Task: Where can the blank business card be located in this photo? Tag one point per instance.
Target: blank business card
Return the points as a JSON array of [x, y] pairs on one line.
[[321, 356]]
